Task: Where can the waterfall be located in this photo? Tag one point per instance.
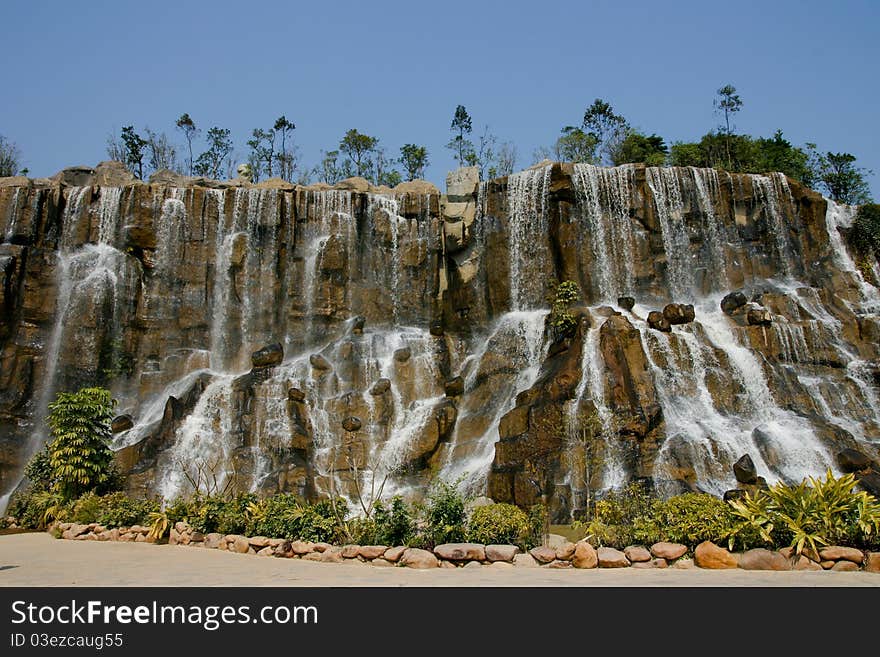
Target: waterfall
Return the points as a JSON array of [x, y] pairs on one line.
[[11, 220], [528, 237], [764, 189], [666, 190], [604, 196], [520, 337]]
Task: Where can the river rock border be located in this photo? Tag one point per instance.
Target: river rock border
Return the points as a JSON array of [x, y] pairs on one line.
[[581, 555]]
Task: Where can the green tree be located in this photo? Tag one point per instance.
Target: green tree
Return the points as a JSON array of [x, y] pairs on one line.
[[79, 453], [575, 145], [286, 161], [864, 235], [188, 127], [842, 180], [608, 128], [330, 170], [462, 147], [414, 160], [262, 155], [210, 163], [133, 151], [10, 158], [728, 103], [777, 154], [358, 148], [636, 147]]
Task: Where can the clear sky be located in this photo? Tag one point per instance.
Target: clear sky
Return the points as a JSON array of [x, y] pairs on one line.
[[74, 72]]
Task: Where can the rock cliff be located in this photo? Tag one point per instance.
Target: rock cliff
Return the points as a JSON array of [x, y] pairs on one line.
[[244, 328]]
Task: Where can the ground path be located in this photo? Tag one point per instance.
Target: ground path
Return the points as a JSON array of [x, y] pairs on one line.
[[37, 559]]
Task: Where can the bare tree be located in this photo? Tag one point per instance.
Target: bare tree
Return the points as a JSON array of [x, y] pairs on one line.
[[10, 158]]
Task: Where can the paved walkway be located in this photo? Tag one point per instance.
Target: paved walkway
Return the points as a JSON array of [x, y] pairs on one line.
[[37, 559]]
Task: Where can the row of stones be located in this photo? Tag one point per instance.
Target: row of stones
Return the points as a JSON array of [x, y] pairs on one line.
[[450, 555]]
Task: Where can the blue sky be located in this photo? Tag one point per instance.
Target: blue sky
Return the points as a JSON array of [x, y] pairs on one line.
[[396, 70]]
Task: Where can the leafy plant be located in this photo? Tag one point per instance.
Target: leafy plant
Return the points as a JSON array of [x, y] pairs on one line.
[[445, 514], [159, 525], [120, 510], [79, 454], [39, 470], [864, 236], [689, 519], [35, 509], [562, 322], [394, 526], [539, 522], [614, 516], [499, 523]]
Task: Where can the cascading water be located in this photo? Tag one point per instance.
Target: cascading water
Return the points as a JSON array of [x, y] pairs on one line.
[[604, 195], [528, 237]]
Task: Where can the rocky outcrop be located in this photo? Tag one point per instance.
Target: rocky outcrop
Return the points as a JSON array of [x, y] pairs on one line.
[[265, 315]]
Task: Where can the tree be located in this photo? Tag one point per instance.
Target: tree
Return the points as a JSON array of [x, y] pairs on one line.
[[485, 156], [329, 171], [188, 127], [574, 145], [162, 153], [461, 123], [837, 173], [262, 153], [383, 172], [133, 151], [79, 452], [777, 154], [10, 158], [414, 159], [357, 148], [286, 161], [605, 126], [210, 163], [728, 103], [637, 147], [506, 160]]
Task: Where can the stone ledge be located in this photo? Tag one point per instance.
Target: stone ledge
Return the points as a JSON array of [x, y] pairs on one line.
[[580, 555]]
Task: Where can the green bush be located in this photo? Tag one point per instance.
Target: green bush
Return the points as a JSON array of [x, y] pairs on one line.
[[394, 526], [445, 519], [35, 509], [812, 514], [39, 470], [285, 516], [614, 515], [688, 519], [120, 510], [499, 523], [538, 524], [864, 236], [79, 453]]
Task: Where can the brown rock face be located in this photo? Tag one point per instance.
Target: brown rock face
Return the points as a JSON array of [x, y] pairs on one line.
[[678, 313], [709, 555], [658, 322]]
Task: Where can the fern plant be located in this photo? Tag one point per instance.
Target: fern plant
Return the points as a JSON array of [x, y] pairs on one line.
[[79, 453]]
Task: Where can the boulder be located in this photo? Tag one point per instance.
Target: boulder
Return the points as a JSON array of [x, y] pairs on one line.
[[584, 556], [803, 563], [121, 423], [352, 551], [313, 556], [240, 544], [852, 460], [370, 552], [637, 554], [872, 562], [839, 552], [403, 355], [525, 561], [611, 558], [393, 554], [627, 303], [302, 547], [761, 559], [653, 563], [678, 313], [658, 322], [268, 356], [333, 555], [684, 564], [454, 387], [321, 547], [296, 395], [380, 387], [734, 494], [357, 327], [845, 567], [473, 565], [259, 541], [709, 555], [351, 424], [543, 554], [759, 317], [732, 302], [565, 551], [744, 470], [556, 563], [382, 563], [870, 482], [668, 551], [501, 552], [267, 551], [418, 558], [461, 551]]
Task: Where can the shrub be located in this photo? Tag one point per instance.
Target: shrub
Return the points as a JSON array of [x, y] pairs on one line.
[[35, 509], [614, 515], [689, 519], [538, 525], [562, 323], [499, 523], [813, 513], [445, 515], [225, 515], [39, 470], [394, 526], [864, 235], [85, 509], [285, 516], [120, 510], [80, 457]]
